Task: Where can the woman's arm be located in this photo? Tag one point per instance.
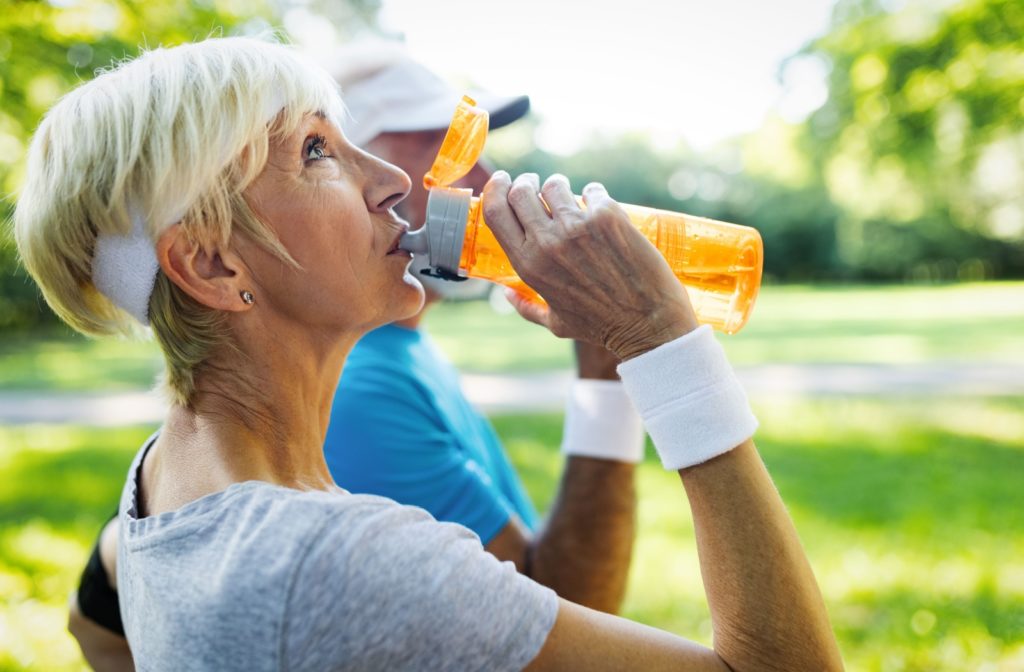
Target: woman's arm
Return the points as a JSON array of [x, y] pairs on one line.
[[606, 284], [99, 634], [766, 609], [104, 650]]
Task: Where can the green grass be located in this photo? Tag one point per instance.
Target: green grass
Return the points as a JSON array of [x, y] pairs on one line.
[[911, 511], [56, 361], [790, 324], [890, 324]]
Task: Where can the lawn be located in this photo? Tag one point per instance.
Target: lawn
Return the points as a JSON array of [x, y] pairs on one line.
[[911, 510], [972, 322]]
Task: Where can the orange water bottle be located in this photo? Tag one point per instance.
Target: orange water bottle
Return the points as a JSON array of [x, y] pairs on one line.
[[718, 263]]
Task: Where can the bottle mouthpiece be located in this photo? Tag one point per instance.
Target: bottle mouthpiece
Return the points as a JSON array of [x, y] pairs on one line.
[[441, 237], [415, 242]]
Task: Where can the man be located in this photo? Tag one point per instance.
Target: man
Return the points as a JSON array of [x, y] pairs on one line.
[[401, 426]]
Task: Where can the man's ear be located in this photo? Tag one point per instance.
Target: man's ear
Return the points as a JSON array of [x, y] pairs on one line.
[[214, 277]]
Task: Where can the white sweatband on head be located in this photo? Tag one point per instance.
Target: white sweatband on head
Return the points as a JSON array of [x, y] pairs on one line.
[[601, 422], [691, 402], [124, 268]]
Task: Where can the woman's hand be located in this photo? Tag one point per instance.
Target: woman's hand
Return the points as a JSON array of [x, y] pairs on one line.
[[604, 283]]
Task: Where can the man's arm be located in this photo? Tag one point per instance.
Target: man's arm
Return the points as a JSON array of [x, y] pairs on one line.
[[103, 648], [584, 550]]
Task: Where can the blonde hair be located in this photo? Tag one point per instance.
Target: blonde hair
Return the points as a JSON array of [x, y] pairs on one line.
[[175, 135]]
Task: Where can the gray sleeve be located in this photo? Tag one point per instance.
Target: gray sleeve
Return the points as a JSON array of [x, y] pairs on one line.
[[392, 589]]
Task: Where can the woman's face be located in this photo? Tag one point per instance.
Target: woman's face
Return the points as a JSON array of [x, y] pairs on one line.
[[330, 204]]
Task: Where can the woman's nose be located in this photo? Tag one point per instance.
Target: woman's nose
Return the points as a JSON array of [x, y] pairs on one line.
[[386, 185]]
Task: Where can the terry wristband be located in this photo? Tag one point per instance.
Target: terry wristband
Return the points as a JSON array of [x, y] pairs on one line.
[[691, 402], [600, 422]]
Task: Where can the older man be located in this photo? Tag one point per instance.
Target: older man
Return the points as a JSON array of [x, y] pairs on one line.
[[401, 426]]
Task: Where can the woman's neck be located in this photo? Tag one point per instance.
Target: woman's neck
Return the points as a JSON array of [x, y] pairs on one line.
[[260, 412]]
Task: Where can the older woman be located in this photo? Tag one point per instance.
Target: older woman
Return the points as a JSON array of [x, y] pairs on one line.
[[206, 191]]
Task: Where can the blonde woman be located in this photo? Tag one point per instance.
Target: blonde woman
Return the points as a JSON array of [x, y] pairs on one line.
[[206, 191]]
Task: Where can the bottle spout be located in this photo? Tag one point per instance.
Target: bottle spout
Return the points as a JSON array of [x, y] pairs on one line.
[[415, 242]]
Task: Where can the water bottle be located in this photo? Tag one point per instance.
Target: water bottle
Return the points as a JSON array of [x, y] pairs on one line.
[[718, 263]]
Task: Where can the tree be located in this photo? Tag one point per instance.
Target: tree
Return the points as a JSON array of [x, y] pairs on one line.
[[921, 140], [47, 49]]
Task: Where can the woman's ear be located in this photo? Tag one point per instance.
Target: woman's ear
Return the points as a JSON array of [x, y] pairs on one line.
[[215, 277]]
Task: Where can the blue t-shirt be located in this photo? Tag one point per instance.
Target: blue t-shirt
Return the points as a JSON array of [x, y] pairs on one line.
[[402, 428]]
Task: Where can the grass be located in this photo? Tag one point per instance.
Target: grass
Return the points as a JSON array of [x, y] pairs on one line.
[[790, 324], [973, 322], [911, 511]]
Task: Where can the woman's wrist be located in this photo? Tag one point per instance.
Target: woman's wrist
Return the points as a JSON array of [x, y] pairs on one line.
[[653, 333], [691, 402]]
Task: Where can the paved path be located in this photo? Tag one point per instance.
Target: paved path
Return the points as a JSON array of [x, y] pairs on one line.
[[545, 391]]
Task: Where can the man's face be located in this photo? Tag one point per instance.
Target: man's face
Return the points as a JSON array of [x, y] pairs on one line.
[[414, 152]]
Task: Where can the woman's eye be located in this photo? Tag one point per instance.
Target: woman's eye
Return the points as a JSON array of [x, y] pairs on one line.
[[316, 148]]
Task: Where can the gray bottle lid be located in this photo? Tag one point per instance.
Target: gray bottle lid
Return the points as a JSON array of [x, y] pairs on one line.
[[444, 231]]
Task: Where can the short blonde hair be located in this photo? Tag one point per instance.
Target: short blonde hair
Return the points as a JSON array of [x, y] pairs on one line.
[[175, 135]]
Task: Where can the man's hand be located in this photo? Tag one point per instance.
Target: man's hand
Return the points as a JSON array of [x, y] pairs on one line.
[[604, 283]]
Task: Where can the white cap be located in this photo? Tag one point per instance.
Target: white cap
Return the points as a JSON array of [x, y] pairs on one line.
[[386, 91]]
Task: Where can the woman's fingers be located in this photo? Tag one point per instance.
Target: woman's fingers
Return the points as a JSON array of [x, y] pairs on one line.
[[538, 314], [563, 205], [499, 215], [524, 197]]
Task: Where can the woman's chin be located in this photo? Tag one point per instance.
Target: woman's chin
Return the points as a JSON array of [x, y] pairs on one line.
[[412, 299]]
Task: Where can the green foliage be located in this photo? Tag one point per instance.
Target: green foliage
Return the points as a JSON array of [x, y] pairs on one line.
[[48, 48], [791, 324], [912, 170], [922, 140]]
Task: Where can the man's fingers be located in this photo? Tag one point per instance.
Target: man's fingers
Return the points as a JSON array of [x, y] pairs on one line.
[[498, 213]]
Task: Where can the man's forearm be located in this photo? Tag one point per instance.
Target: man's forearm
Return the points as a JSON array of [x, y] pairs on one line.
[[584, 550]]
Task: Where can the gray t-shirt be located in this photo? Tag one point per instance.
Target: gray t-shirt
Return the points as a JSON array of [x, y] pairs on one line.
[[262, 577]]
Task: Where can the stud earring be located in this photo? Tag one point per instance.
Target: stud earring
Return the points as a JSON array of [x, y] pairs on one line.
[[247, 297]]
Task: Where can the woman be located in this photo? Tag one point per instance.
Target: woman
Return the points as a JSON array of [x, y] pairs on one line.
[[208, 192]]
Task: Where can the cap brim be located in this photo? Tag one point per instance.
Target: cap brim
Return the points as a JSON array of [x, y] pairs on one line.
[[437, 115], [507, 111]]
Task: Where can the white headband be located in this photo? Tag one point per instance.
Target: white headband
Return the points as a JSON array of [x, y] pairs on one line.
[[124, 268]]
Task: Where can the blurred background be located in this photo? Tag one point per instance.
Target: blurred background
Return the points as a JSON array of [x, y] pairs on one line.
[[877, 145]]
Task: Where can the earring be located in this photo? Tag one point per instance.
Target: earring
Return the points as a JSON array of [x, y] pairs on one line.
[[247, 297]]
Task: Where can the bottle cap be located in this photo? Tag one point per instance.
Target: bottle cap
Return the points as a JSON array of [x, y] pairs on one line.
[[442, 235]]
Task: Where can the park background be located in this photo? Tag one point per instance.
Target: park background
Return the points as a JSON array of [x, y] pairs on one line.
[[881, 155]]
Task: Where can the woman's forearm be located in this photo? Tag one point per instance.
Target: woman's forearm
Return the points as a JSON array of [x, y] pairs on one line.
[[766, 608]]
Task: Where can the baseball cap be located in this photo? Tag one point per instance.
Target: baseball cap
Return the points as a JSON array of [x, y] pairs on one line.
[[387, 91]]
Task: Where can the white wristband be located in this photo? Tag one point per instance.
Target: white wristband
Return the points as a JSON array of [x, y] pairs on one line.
[[600, 422], [691, 402]]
